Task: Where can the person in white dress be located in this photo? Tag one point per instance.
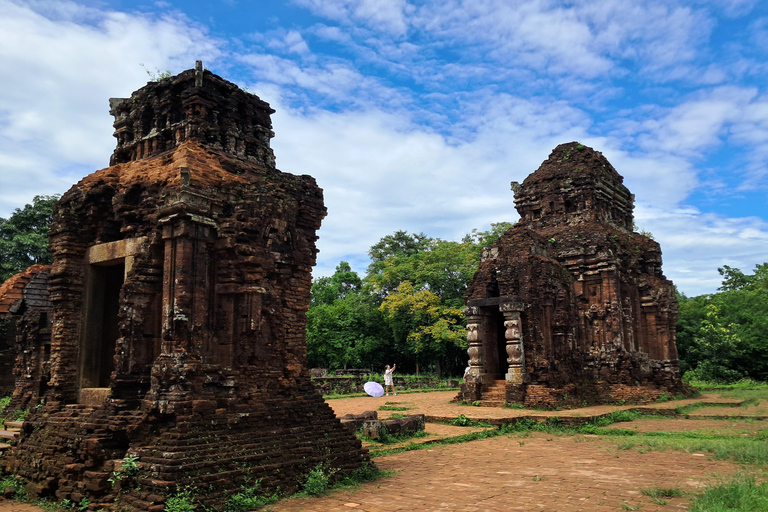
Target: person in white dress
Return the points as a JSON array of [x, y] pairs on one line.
[[389, 384]]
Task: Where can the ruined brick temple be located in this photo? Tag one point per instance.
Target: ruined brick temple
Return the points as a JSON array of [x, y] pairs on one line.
[[178, 291], [570, 305], [25, 336]]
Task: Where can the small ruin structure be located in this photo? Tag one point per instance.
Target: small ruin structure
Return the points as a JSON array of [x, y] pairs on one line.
[[25, 336], [180, 280], [570, 305]]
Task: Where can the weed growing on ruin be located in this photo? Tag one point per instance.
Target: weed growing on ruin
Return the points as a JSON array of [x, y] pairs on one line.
[[387, 438], [318, 480], [4, 401], [249, 499], [157, 75], [17, 486], [128, 467], [463, 421], [182, 501], [20, 414]]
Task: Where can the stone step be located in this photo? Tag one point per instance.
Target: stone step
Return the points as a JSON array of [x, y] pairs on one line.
[[491, 403], [4, 446], [13, 424], [9, 434]]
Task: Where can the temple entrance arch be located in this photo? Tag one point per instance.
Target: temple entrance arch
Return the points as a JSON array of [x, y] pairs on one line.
[[106, 267], [494, 336]]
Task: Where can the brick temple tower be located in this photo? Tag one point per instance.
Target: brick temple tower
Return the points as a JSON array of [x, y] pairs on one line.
[[179, 286], [570, 305]]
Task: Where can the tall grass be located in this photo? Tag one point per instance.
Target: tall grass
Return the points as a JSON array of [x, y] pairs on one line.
[[742, 494]]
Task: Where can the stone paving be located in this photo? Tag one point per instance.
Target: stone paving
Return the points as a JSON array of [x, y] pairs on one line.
[[528, 472]]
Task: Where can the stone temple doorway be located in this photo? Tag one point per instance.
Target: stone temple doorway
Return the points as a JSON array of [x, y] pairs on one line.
[[101, 324], [106, 266], [494, 335]]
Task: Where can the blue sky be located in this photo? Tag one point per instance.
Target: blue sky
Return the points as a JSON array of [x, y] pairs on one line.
[[416, 115]]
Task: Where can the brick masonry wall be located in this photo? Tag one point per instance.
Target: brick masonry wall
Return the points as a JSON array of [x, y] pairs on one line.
[[207, 379]]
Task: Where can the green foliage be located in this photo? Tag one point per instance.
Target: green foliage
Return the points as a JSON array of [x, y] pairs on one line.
[[20, 414], [344, 326], [181, 501], [406, 310], [128, 467], [717, 349], [156, 75], [429, 326], [463, 421], [318, 480], [728, 342], [15, 483], [4, 401], [24, 236], [248, 499], [742, 494]]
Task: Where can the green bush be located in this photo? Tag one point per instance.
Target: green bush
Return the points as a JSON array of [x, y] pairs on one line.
[[248, 499], [318, 480], [182, 501]]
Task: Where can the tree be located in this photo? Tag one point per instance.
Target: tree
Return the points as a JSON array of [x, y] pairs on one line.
[[326, 290], [24, 236], [344, 326], [742, 308], [431, 330], [717, 350], [407, 309]]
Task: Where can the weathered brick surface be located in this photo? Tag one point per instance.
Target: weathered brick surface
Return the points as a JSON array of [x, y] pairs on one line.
[[203, 359], [25, 334], [570, 305]]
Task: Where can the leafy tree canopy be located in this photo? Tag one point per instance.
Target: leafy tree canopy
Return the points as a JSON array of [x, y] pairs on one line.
[[741, 308], [24, 236]]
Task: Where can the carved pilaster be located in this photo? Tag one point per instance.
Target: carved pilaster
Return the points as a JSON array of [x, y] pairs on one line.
[[475, 344], [513, 335]]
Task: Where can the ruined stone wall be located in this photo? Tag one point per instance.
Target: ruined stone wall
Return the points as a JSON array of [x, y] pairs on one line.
[[599, 316], [25, 333]]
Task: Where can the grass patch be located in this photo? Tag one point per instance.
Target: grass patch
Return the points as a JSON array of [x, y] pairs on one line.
[[463, 421], [744, 450], [657, 494], [394, 408], [742, 494], [387, 438]]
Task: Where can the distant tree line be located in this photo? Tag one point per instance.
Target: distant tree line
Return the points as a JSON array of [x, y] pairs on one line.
[[407, 307], [24, 236], [723, 337]]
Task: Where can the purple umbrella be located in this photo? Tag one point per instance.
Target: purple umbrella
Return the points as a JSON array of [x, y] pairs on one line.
[[373, 388]]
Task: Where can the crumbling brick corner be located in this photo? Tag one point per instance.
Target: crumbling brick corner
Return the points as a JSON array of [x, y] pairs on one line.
[[570, 305]]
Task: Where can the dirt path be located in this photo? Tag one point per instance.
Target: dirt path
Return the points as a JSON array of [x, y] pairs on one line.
[[538, 472]]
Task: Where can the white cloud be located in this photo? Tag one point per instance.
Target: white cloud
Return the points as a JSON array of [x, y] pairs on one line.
[[390, 17], [60, 63], [694, 244]]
